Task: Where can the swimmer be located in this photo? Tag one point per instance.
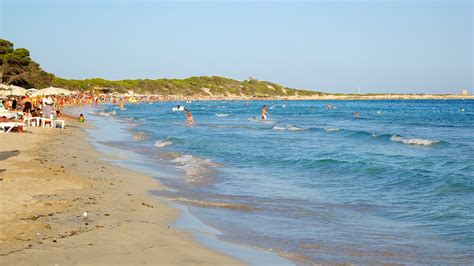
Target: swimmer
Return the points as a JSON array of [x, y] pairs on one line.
[[189, 117], [264, 112], [356, 115], [122, 105]]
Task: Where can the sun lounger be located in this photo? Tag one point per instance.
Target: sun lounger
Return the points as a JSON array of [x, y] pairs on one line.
[[8, 126], [8, 114]]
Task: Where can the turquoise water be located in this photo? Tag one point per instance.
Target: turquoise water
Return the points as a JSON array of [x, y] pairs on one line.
[[317, 185]]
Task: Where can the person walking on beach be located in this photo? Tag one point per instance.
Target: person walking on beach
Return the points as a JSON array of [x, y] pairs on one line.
[[189, 117], [264, 112]]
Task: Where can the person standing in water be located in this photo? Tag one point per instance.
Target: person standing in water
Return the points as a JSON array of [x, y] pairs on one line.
[[264, 112], [189, 117], [122, 105]]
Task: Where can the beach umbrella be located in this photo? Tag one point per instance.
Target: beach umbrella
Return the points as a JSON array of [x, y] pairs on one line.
[[32, 90], [66, 92], [50, 91], [17, 91], [5, 92], [4, 87]]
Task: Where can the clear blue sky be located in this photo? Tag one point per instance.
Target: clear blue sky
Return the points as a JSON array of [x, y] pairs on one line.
[[333, 46]]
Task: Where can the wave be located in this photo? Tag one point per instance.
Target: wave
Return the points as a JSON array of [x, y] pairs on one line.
[[195, 168], [408, 141], [103, 113], [162, 143], [222, 115], [382, 136], [288, 127], [213, 204], [259, 120]]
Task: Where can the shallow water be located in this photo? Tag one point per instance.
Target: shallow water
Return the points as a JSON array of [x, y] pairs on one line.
[[317, 185]]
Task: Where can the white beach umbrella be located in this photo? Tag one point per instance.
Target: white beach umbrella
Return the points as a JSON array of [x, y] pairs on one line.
[[32, 90], [66, 92], [49, 91], [4, 87], [17, 91], [5, 92]]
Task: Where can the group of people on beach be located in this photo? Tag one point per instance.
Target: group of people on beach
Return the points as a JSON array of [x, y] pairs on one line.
[[16, 109]]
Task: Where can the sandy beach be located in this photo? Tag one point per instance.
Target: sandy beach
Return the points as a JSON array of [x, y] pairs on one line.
[[61, 204]]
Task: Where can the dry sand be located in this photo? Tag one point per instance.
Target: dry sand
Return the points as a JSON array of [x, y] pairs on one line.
[[49, 178]]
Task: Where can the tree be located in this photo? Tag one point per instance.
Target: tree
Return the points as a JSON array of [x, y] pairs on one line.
[[6, 47], [16, 67]]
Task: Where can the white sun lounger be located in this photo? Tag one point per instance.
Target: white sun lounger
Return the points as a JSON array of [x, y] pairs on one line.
[[8, 126], [8, 114]]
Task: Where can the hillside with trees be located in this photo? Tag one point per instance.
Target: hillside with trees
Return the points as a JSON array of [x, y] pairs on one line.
[[17, 68], [193, 86]]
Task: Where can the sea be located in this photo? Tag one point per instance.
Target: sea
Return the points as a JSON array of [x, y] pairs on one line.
[[313, 184]]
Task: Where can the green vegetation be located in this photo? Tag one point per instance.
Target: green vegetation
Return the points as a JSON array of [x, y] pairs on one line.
[[16, 67], [193, 86]]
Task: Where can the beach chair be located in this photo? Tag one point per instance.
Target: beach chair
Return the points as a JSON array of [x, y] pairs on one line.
[[45, 121], [8, 114], [8, 126], [30, 120]]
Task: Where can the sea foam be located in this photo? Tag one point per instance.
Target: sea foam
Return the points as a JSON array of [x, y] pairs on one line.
[[196, 168], [213, 204], [288, 127], [162, 143], [103, 113], [419, 142]]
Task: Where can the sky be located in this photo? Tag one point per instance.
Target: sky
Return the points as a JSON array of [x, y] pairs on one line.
[[402, 46]]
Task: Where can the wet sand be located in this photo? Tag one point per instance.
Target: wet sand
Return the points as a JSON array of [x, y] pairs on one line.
[[61, 204]]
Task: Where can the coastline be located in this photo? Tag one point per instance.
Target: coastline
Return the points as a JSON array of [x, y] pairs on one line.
[[321, 97], [109, 130], [55, 178]]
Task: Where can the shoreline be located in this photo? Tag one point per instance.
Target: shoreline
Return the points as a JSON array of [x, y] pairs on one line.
[[205, 234], [68, 205]]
